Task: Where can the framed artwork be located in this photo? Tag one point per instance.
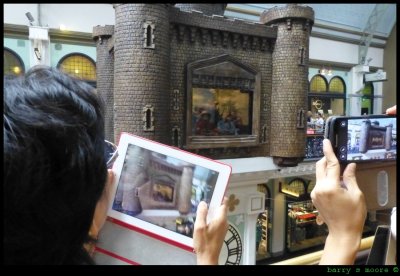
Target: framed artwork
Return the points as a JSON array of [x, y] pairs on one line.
[[223, 105]]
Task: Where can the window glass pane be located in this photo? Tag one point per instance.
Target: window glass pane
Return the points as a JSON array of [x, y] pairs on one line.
[[297, 186], [79, 67], [367, 91], [318, 84], [12, 64], [366, 106], [337, 107], [336, 85]]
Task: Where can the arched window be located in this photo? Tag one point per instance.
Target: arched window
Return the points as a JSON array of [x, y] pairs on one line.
[[337, 85], [367, 99], [295, 188], [318, 84], [13, 65], [327, 98], [148, 35], [79, 66]]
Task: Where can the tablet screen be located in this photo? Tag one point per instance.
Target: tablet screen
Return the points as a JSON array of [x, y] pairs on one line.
[[158, 188]]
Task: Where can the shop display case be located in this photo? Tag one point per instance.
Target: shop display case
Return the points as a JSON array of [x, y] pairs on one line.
[[302, 228]]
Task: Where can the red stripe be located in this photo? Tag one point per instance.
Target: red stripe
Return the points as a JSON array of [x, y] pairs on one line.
[[111, 254]]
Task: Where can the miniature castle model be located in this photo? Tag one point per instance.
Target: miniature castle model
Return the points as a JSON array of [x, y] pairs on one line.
[[162, 66]]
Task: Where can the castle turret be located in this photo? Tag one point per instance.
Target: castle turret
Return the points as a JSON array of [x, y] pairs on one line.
[[141, 70], [289, 81], [207, 9], [105, 74]]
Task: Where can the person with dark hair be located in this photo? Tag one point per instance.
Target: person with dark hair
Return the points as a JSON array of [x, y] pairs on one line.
[[56, 184]]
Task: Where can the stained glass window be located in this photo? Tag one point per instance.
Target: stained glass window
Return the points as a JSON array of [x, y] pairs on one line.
[[336, 85], [79, 66], [318, 84], [13, 64]]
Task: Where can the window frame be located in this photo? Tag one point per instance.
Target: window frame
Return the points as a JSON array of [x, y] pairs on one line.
[[326, 95], [19, 59], [92, 83]]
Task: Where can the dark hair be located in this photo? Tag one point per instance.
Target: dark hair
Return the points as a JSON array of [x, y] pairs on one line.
[[54, 167]]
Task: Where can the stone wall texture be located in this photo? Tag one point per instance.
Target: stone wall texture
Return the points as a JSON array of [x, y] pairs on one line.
[[141, 75], [208, 9], [195, 36], [289, 84], [105, 75]]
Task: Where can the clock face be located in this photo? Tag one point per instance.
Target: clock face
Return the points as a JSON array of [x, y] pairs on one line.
[[231, 251]]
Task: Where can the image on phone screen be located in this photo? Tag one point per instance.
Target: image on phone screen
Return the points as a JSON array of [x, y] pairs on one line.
[[366, 139]]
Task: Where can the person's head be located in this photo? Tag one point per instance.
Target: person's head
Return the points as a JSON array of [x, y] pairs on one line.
[[54, 167], [205, 115]]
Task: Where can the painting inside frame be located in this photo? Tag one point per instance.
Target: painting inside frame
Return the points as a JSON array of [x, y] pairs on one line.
[[221, 112]]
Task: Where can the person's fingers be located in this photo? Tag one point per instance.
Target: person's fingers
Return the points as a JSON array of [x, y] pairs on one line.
[[201, 215], [110, 177], [110, 181], [222, 210], [349, 177], [332, 166], [391, 110], [225, 201]]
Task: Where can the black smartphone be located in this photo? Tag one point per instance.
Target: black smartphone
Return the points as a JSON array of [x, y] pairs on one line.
[[377, 254], [368, 138]]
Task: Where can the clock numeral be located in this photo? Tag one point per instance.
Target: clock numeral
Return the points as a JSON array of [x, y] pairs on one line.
[[234, 247], [231, 239], [231, 263], [233, 251]]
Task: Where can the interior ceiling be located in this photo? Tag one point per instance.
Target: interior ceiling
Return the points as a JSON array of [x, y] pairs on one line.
[[346, 17]]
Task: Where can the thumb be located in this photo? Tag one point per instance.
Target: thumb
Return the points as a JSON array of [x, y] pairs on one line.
[[349, 177], [391, 110], [332, 164], [201, 215]]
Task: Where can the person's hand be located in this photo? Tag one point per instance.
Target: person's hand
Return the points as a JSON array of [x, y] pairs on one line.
[[100, 214], [208, 239], [391, 110], [341, 206]]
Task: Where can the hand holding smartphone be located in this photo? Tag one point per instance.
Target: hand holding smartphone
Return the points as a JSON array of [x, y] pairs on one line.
[[363, 138]]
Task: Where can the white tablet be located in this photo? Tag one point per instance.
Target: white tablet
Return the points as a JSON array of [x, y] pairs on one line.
[[158, 188]]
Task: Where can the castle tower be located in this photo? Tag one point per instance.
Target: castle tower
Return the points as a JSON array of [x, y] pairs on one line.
[[141, 70], [289, 81], [105, 74], [207, 9]]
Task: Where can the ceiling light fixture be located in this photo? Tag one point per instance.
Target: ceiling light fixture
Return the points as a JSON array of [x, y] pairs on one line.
[[30, 18], [37, 53]]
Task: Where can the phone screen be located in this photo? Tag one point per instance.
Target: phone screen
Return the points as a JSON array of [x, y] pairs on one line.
[[363, 139]]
